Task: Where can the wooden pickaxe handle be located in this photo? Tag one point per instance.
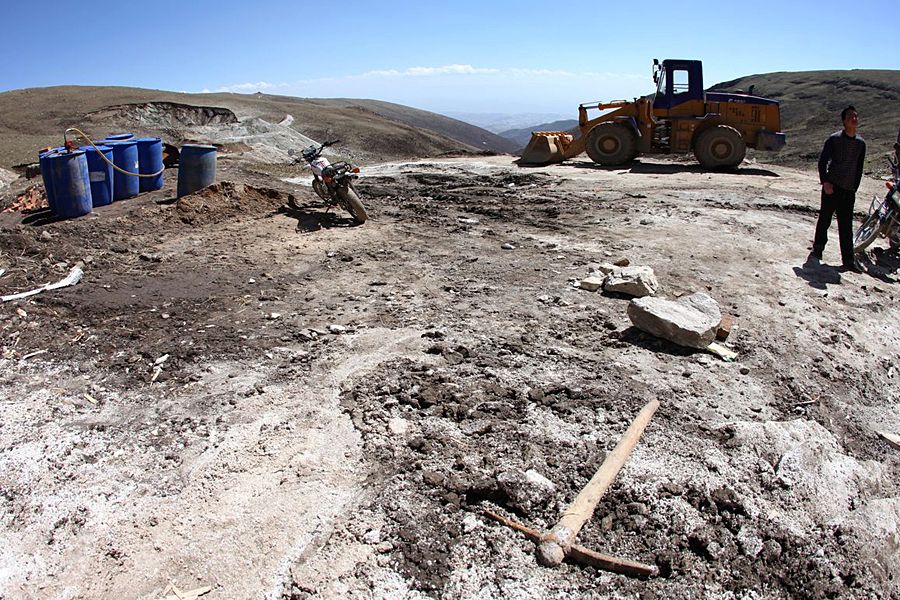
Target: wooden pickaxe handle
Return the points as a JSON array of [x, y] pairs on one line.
[[561, 538]]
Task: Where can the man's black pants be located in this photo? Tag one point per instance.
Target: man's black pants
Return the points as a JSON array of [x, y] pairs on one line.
[[840, 202]]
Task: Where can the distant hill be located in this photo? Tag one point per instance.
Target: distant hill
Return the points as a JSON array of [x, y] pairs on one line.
[[522, 136], [811, 102], [35, 118], [498, 122]]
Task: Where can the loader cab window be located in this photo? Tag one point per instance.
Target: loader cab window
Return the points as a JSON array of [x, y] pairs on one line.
[[661, 84], [675, 87], [681, 82]]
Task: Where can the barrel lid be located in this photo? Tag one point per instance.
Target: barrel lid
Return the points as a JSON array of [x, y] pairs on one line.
[[120, 136], [147, 140], [100, 147], [201, 146], [64, 153], [45, 151], [119, 143]]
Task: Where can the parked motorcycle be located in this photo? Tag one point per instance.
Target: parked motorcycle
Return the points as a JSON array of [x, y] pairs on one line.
[[883, 216], [333, 183]]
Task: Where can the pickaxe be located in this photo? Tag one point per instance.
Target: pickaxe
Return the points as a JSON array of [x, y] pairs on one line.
[[559, 542]]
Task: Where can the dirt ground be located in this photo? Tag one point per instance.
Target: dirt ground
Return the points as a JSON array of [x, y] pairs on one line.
[[250, 393]]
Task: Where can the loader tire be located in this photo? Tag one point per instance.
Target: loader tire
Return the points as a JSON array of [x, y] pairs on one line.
[[720, 147], [611, 144]]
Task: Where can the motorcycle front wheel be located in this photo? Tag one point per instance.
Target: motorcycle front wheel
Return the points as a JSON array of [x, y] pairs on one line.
[[867, 232], [352, 203], [320, 190]]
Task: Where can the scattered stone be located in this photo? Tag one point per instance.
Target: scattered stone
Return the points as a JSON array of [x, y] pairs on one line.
[[471, 523], [508, 246], [690, 321], [527, 491], [336, 329], [622, 262], [372, 537], [398, 426], [771, 550], [633, 281], [591, 284], [745, 370]]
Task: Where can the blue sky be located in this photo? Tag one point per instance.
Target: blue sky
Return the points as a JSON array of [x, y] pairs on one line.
[[462, 56]]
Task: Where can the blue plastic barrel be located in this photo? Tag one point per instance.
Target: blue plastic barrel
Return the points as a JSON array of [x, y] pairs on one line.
[[71, 183], [150, 159], [125, 156], [48, 180], [119, 137], [196, 168], [100, 173]]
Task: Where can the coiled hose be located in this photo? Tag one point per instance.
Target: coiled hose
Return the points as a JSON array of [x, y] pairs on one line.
[[103, 156]]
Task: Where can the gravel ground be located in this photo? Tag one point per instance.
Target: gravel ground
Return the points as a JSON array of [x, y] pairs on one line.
[[248, 392]]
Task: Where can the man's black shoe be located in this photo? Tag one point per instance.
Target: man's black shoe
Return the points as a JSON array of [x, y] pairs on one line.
[[852, 268], [816, 254]]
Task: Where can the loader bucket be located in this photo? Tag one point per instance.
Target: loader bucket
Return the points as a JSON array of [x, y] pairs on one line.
[[546, 147]]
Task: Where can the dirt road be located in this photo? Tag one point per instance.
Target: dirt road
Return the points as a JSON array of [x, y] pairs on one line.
[[248, 393]]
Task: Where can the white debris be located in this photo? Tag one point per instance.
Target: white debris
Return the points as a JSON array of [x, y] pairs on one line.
[[72, 278]]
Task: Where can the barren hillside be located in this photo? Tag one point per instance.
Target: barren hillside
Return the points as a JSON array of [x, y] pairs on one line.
[[812, 100], [370, 130]]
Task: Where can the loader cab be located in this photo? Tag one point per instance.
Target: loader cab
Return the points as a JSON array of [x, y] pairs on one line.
[[677, 82]]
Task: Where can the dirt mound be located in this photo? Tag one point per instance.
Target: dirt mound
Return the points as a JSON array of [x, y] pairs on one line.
[[164, 115], [227, 200]]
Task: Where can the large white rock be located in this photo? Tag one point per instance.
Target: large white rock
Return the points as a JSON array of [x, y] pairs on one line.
[[690, 321], [634, 281]]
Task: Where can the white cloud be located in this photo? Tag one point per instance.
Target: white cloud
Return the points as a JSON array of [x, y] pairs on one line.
[[463, 86], [422, 71]]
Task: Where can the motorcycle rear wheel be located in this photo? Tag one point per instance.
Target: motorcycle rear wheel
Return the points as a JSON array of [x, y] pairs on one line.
[[867, 232], [352, 203]]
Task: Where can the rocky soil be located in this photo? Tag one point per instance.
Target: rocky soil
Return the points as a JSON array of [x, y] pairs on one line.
[[248, 392]]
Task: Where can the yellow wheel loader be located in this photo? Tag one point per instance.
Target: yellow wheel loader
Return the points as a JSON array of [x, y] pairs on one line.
[[681, 117]]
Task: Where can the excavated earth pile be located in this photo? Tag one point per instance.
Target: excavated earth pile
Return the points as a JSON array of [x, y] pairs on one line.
[[248, 392]]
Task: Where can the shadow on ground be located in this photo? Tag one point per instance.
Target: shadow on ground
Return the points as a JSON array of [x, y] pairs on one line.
[[653, 168], [641, 339], [817, 274], [315, 217]]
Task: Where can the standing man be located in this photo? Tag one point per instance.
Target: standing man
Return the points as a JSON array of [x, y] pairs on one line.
[[840, 171]]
